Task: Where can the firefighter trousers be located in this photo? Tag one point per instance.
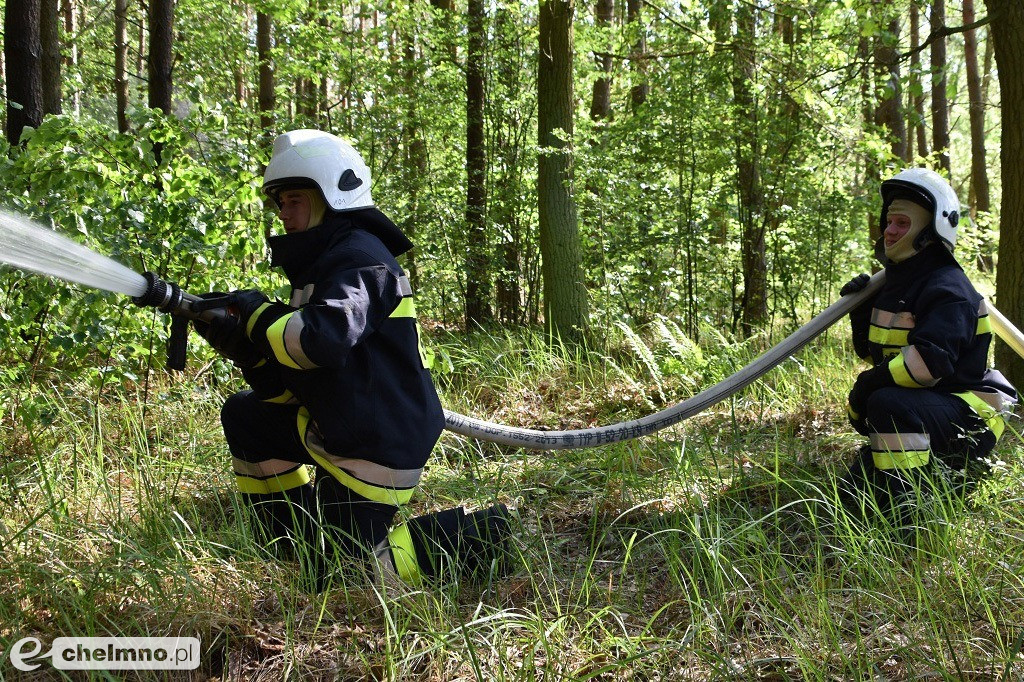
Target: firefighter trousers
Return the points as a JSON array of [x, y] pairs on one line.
[[336, 521], [917, 438]]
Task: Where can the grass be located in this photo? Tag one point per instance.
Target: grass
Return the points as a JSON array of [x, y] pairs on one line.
[[712, 550]]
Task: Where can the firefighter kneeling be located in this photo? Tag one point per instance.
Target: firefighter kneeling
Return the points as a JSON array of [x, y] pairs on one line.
[[929, 403], [340, 383]]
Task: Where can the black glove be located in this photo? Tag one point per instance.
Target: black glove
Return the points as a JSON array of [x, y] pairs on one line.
[[247, 302], [856, 284], [858, 399], [226, 333], [868, 381]]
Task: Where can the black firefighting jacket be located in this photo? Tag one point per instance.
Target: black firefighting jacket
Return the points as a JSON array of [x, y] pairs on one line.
[[346, 347], [928, 328]]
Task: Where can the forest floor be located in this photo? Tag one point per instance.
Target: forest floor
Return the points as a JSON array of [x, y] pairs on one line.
[[712, 550]]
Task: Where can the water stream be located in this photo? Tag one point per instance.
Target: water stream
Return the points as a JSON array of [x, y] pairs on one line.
[[29, 246]]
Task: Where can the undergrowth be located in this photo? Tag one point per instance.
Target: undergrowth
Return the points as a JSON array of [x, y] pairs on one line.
[[711, 550]]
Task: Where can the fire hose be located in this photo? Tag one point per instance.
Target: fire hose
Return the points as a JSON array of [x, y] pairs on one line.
[[31, 247]]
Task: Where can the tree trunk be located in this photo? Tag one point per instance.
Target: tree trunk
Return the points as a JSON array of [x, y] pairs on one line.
[[415, 151], [889, 113], [266, 98], [565, 298], [940, 104], [238, 70], [140, 55], [49, 39], [514, 254], [161, 55], [478, 286], [641, 88], [748, 173], [916, 88], [601, 97], [872, 172], [67, 9], [978, 196], [121, 63], [23, 56], [448, 42], [1007, 29]]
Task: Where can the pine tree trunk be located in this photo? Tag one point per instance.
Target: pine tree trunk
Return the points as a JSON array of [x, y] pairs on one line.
[[889, 113], [641, 88], [161, 56], [601, 96], [978, 198], [565, 298], [748, 174], [49, 39], [920, 133], [507, 155], [264, 42], [67, 9], [23, 53], [940, 104], [478, 287], [978, 195], [415, 167], [1007, 29], [121, 63]]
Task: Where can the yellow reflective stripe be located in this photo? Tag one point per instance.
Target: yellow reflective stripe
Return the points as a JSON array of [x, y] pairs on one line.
[[406, 308], [281, 399], [992, 419], [273, 484], [898, 369], [392, 496], [984, 325], [888, 337], [849, 411], [275, 336], [403, 554], [252, 318], [906, 459]]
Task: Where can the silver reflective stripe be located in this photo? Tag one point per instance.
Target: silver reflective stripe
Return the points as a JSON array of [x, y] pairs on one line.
[[904, 321], [891, 320], [404, 287], [300, 297], [881, 318], [916, 366], [384, 566], [293, 343], [264, 468], [983, 308], [900, 442], [364, 470], [995, 399]]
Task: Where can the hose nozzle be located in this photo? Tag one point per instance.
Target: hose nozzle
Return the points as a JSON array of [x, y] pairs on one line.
[[168, 297], [164, 296]]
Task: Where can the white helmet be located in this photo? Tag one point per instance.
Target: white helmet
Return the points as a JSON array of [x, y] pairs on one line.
[[312, 158], [929, 189]]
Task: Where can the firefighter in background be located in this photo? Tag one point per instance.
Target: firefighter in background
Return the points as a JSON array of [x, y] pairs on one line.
[[929, 398], [340, 383]]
